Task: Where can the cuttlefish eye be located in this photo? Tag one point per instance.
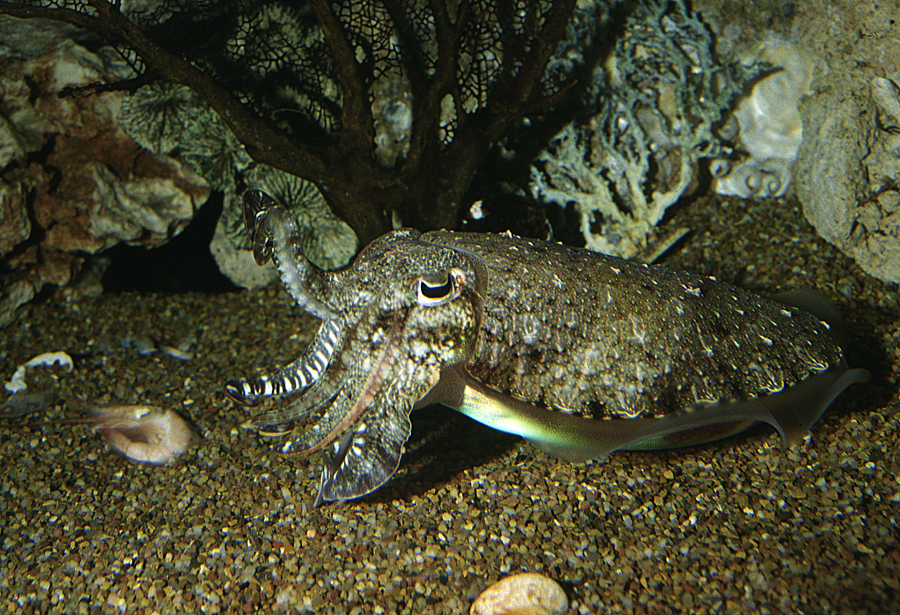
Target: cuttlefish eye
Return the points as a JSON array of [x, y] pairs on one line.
[[435, 288]]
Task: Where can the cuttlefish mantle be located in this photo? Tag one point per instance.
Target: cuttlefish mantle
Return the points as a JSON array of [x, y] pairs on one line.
[[581, 353]]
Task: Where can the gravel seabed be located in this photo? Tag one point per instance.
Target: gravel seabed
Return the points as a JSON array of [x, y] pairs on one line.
[[740, 526]]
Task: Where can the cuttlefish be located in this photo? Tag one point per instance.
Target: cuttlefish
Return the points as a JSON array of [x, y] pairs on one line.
[[581, 353]]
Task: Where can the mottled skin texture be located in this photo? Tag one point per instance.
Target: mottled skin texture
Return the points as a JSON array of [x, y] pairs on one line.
[[579, 352], [602, 337]]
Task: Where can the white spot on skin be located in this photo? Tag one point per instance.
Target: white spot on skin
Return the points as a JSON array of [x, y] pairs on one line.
[[419, 349], [706, 348], [529, 327], [638, 332], [639, 372], [591, 357]]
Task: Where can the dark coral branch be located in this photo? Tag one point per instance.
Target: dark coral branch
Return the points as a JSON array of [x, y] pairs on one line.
[[515, 95], [357, 132], [443, 82], [125, 85], [24, 11], [523, 92]]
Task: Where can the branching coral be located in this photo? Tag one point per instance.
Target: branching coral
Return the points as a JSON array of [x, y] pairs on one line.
[[388, 107], [656, 100]]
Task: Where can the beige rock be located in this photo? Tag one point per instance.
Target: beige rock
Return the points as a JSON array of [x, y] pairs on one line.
[[847, 170], [522, 594]]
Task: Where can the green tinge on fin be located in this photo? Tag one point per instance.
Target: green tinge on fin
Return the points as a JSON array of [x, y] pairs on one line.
[[575, 438]]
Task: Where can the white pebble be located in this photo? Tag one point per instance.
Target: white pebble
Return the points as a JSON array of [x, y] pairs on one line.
[[522, 594], [17, 383]]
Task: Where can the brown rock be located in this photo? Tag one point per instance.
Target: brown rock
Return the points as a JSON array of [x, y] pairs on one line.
[[87, 185]]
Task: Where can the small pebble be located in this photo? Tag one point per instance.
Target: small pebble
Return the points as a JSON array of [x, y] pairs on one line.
[[522, 594]]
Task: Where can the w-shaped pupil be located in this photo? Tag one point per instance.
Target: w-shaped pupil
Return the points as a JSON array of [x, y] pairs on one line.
[[436, 286]]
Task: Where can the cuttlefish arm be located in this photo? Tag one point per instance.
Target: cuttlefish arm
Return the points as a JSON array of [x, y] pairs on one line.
[[364, 419], [574, 438], [291, 378], [362, 451], [274, 234]]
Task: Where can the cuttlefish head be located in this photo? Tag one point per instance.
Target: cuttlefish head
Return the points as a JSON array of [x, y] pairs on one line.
[[402, 313]]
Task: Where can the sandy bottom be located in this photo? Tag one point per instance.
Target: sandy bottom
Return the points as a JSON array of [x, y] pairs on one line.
[[739, 526]]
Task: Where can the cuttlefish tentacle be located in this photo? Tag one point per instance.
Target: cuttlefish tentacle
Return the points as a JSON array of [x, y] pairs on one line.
[[274, 234], [294, 377], [324, 392], [352, 396]]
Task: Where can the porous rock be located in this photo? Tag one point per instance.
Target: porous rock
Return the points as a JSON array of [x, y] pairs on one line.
[[850, 168], [847, 170]]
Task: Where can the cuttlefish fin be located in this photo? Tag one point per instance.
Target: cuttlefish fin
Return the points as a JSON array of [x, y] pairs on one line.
[[795, 410], [575, 438], [366, 456]]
